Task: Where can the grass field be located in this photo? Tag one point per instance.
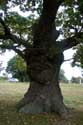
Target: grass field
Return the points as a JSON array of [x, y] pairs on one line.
[[11, 93]]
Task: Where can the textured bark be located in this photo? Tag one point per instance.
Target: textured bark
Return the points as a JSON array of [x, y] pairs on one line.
[[44, 61], [40, 99], [44, 94]]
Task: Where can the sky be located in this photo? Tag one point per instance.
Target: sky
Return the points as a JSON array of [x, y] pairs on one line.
[[66, 66]]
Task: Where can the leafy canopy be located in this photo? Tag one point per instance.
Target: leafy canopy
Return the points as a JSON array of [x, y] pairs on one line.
[[18, 16]]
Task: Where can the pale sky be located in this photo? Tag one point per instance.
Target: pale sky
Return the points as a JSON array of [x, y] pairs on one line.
[[66, 66]]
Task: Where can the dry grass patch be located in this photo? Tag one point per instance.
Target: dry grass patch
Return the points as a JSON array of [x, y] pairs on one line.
[[11, 93]]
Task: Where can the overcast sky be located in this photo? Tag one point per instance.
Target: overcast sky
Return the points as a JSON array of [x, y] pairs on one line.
[[69, 70]]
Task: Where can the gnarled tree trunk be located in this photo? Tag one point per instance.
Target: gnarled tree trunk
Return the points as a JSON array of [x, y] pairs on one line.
[[44, 60], [44, 94]]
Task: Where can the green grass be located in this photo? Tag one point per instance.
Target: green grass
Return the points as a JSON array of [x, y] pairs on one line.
[[11, 93]]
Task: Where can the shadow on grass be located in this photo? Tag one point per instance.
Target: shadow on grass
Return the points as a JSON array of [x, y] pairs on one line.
[[10, 94], [10, 116]]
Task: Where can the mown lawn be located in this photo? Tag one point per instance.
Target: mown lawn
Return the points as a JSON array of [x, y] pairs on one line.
[[11, 93]]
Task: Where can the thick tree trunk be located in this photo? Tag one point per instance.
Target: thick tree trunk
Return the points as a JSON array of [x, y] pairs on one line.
[[43, 98], [44, 60], [44, 94]]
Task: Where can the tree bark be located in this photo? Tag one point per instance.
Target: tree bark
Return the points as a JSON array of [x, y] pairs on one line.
[[43, 98], [44, 94], [44, 61]]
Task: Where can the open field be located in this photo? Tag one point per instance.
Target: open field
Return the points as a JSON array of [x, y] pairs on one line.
[[11, 93]]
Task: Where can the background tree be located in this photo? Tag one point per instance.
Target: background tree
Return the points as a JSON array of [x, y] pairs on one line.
[[42, 51], [62, 77], [78, 57], [77, 80], [17, 67]]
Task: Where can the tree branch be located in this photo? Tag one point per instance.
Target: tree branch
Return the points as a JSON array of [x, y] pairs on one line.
[[68, 59], [11, 47], [4, 37], [48, 16], [9, 35], [46, 25], [19, 40], [50, 10], [72, 41], [6, 29]]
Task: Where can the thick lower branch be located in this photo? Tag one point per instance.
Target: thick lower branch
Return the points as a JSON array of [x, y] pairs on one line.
[[72, 41], [8, 35], [12, 47]]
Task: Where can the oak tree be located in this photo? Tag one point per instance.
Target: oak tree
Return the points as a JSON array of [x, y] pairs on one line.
[[35, 39]]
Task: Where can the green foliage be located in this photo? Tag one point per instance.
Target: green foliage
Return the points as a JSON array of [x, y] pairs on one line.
[[81, 6], [19, 23], [78, 57], [17, 67], [71, 21], [70, 18]]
